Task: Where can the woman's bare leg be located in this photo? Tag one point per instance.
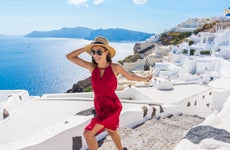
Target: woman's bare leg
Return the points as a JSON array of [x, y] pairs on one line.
[[90, 137], [116, 138]]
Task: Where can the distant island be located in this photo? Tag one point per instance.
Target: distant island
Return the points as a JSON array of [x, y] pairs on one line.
[[116, 35]]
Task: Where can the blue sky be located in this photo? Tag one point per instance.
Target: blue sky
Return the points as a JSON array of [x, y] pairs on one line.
[[19, 17]]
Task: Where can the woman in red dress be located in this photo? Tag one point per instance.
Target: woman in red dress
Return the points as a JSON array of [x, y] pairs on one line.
[[104, 82]]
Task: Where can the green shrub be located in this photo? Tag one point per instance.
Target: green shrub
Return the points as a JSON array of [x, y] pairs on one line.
[[190, 43], [206, 52], [88, 89], [192, 51], [185, 51]]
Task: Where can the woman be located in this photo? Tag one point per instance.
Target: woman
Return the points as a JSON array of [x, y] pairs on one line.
[[104, 83]]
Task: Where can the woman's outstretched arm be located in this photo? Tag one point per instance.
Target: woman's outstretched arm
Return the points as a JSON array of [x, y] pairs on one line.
[[130, 76]]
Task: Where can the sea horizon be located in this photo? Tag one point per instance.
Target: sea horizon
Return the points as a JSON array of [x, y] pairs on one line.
[[39, 65]]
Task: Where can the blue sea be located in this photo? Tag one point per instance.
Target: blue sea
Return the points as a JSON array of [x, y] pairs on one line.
[[39, 65]]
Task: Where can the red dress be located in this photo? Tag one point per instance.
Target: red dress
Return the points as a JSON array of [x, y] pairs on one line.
[[106, 102]]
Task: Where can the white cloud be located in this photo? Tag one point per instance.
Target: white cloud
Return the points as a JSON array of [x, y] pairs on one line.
[[79, 2], [98, 1], [84, 2], [139, 1]]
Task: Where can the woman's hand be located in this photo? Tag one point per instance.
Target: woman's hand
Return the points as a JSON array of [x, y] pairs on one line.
[[148, 78]]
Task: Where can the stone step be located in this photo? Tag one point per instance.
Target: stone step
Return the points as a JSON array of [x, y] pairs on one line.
[[164, 133]]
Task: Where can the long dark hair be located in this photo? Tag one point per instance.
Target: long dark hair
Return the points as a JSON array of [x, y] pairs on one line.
[[108, 58]]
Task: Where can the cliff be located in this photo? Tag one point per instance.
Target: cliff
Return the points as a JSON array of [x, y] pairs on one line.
[[81, 86]]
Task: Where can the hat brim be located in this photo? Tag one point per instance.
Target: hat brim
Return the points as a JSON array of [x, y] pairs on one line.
[[111, 50]]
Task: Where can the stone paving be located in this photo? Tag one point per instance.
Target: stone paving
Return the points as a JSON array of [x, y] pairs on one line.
[[162, 134]]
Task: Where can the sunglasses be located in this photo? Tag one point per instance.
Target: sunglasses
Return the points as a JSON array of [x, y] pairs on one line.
[[98, 52]]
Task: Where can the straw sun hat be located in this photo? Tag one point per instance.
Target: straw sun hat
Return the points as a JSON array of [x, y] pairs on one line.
[[101, 41]]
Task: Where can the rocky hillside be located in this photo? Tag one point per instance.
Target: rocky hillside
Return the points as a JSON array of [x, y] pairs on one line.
[[81, 86], [174, 38]]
